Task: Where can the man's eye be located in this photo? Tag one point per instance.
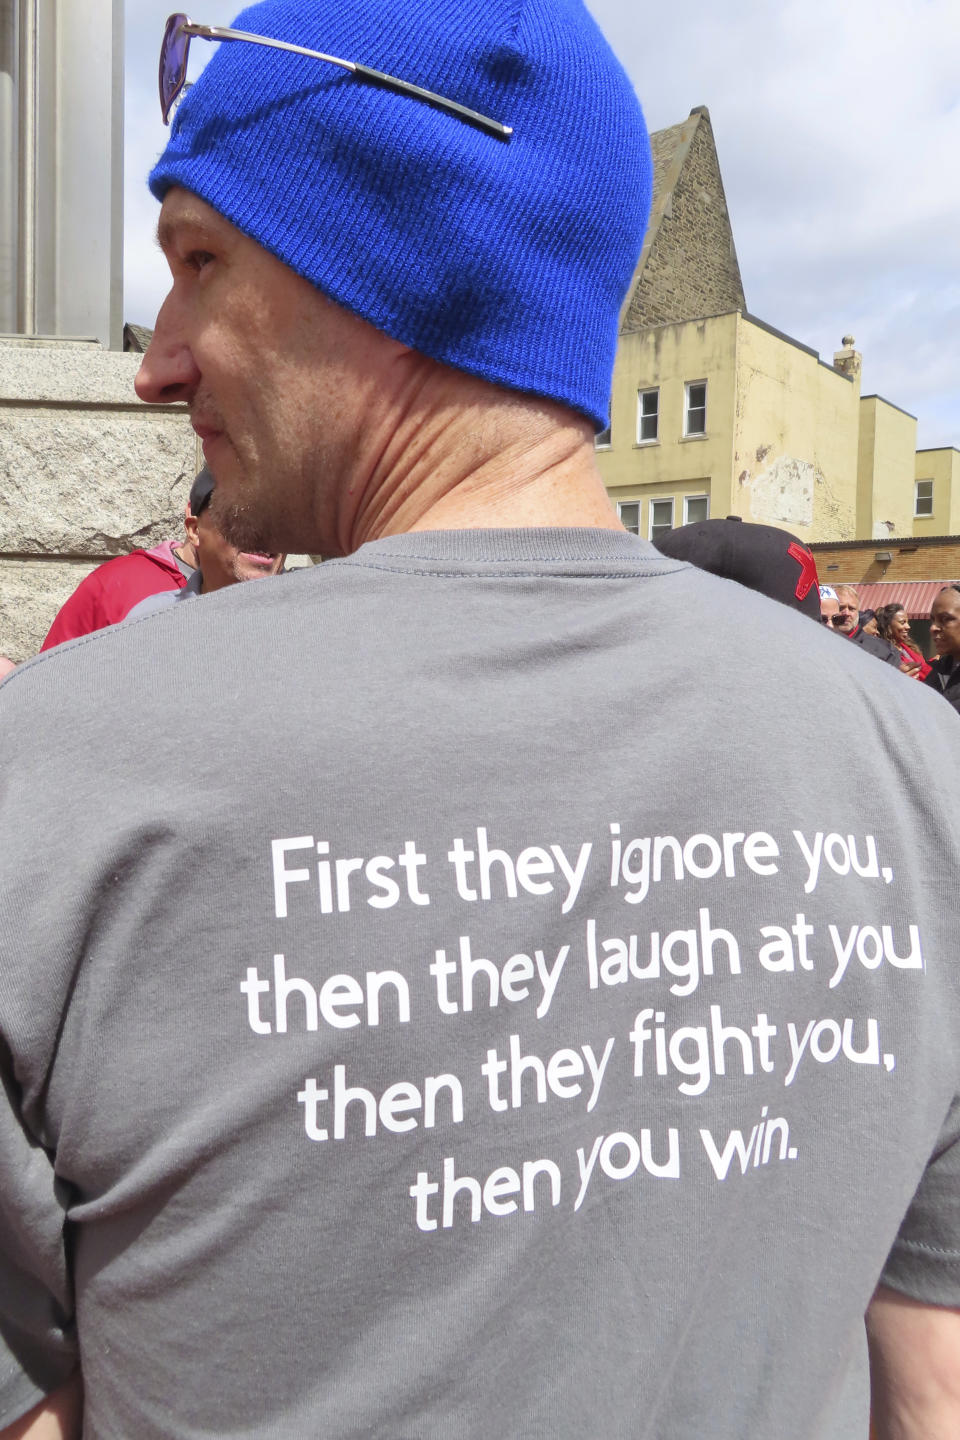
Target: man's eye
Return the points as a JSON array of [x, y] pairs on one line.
[[198, 259]]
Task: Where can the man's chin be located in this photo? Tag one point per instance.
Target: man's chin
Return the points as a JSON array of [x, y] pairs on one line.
[[249, 517], [242, 527]]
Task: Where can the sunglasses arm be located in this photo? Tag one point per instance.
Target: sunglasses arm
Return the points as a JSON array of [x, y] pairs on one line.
[[221, 32], [360, 72]]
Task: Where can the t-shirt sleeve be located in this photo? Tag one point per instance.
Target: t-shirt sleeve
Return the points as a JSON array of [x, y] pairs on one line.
[[38, 1347], [152, 603], [925, 1260]]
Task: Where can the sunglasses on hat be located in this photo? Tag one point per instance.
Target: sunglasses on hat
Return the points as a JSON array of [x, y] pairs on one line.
[[175, 47]]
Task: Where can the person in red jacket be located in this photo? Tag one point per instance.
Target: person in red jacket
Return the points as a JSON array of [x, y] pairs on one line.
[[110, 592], [893, 624]]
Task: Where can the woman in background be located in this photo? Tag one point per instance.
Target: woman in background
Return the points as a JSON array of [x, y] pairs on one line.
[[893, 624]]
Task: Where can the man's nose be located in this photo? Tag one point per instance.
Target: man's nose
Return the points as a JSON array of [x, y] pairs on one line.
[[168, 371]]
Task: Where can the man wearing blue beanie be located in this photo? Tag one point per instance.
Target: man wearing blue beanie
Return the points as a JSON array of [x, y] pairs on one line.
[[484, 255], [434, 1001]]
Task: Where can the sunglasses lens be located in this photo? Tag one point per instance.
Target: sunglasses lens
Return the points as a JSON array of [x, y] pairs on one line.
[[173, 62]]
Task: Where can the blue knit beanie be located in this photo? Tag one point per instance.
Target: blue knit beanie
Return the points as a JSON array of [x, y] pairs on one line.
[[508, 259]]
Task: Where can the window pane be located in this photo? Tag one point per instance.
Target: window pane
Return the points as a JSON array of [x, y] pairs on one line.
[[603, 438], [648, 414], [696, 419], [661, 517], [924, 497], [629, 513], [697, 507]]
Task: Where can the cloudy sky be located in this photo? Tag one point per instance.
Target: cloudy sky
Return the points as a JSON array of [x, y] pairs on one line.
[[838, 129]]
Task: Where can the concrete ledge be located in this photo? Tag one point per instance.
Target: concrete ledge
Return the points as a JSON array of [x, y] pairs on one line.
[[73, 374]]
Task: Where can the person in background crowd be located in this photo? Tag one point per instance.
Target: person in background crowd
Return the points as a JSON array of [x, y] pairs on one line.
[[218, 562], [944, 675], [761, 557], [847, 622], [109, 593], [868, 622], [893, 625], [829, 606], [848, 600]]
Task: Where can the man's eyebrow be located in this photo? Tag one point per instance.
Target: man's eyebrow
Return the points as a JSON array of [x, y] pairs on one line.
[[168, 231]]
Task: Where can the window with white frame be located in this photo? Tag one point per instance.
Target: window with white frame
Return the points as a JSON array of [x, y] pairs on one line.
[[661, 518], [602, 441], [695, 507], [695, 408], [629, 513], [923, 497], [648, 416]]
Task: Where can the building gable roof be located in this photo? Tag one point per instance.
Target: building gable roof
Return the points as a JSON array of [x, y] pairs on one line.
[[136, 338], [688, 267]]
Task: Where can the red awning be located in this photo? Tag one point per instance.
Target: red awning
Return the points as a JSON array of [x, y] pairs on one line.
[[916, 596]]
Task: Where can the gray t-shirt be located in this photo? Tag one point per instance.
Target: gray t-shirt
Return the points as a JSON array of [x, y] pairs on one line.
[[514, 1019], [152, 603]]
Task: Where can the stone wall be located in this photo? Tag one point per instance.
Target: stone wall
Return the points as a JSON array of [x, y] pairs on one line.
[[86, 473], [689, 268]]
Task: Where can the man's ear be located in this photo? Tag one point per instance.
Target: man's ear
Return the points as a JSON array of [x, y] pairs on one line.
[[190, 526]]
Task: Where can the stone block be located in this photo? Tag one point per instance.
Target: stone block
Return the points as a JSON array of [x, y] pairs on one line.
[[85, 468], [31, 593], [92, 481]]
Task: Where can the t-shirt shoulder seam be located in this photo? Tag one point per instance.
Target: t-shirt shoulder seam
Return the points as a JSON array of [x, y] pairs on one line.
[[465, 570], [948, 1254], [75, 641]]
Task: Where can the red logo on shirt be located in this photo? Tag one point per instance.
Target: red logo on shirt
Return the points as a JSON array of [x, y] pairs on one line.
[[808, 569]]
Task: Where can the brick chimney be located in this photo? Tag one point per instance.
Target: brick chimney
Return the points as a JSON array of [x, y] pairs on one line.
[[848, 360]]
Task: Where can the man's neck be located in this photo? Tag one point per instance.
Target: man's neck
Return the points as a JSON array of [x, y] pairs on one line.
[[522, 492], [466, 455]]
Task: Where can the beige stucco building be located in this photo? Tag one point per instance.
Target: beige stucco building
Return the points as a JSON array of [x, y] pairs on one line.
[[937, 492], [715, 412], [773, 437]]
